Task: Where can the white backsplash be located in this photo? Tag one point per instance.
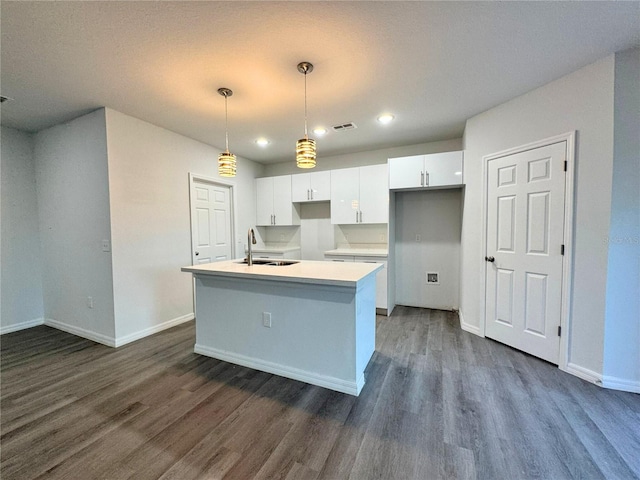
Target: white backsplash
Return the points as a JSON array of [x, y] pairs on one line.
[[361, 236], [280, 236]]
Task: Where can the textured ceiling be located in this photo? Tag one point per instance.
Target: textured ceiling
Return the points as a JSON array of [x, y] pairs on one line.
[[431, 64]]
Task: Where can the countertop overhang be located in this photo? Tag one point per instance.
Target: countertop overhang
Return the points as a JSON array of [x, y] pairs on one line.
[[306, 271]]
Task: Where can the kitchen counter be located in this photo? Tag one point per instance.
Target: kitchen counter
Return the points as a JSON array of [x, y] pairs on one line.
[[305, 271], [310, 321]]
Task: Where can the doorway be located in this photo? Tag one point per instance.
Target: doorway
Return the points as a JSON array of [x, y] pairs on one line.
[[527, 219], [212, 220]]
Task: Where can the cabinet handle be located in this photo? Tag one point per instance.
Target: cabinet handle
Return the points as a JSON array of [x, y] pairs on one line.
[[427, 180], [421, 179], [360, 216], [311, 194], [356, 216], [274, 218], [308, 197]]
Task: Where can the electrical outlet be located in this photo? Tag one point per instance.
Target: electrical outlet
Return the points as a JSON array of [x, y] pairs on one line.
[[89, 302], [266, 319], [433, 278], [382, 239], [106, 246], [282, 237], [418, 237]]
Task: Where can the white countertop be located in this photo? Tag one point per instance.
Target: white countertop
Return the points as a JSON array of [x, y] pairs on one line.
[[306, 271], [359, 252]]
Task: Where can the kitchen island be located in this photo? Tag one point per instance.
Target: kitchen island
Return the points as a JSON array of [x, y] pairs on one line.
[[309, 321]]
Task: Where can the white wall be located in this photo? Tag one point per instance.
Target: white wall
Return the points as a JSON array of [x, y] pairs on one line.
[[436, 216], [21, 280], [316, 231], [622, 329], [581, 101], [73, 211], [359, 159], [150, 220]]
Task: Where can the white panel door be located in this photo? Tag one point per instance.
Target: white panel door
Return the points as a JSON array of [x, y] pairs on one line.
[[525, 223], [345, 196], [374, 194], [406, 172], [211, 223]]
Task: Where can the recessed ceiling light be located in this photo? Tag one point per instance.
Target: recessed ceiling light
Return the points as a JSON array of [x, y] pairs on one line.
[[320, 131], [385, 118], [263, 142]]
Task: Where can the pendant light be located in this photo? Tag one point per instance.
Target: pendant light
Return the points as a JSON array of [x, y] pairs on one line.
[[226, 160], [305, 147]]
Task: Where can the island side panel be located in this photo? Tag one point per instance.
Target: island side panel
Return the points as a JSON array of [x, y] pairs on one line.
[[365, 326], [312, 335]]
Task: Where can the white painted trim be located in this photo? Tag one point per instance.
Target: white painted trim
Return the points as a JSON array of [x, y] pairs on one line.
[[21, 326], [468, 327], [351, 388], [583, 373], [132, 337], [81, 332], [623, 384], [567, 261]]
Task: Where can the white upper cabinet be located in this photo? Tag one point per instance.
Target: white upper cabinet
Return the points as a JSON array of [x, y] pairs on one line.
[[422, 171], [273, 202], [311, 187], [360, 195]]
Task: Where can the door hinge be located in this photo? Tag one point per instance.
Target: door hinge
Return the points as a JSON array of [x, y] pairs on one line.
[[559, 330], [565, 165], [562, 249]]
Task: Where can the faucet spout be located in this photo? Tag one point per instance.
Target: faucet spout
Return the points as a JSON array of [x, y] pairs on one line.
[[251, 240]]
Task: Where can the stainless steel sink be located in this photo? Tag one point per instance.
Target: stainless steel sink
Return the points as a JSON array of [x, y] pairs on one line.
[[271, 261]]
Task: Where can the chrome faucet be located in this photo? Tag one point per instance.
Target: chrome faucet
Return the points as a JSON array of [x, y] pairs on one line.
[[251, 239]]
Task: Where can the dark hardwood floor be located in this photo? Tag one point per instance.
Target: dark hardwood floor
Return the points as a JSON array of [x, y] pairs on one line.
[[438, 403]]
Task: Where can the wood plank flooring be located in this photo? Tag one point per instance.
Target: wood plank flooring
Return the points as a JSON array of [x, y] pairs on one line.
[[438, 403]]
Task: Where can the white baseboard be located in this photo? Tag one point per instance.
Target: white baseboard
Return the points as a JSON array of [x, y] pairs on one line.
[[616, 383], [332, 383], [81, 332], [584, 373], [132, 337], [468, 327], [21, 326]]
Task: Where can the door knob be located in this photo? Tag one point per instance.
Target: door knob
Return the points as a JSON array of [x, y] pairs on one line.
[[197, 253], [490, 259]]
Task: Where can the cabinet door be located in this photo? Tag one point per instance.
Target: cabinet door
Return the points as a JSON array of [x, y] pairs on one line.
[[320, 186], [300, 187], [264, 201], [374, 194], [443, 169], [345, 196], [339, 258], [282, 208], [381, 280], [406, 172]]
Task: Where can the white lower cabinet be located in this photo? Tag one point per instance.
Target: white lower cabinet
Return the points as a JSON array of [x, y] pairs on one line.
[[291, 255], [381, 276]]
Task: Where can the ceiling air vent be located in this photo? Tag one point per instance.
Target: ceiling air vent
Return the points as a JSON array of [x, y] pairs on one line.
[[344, 126]]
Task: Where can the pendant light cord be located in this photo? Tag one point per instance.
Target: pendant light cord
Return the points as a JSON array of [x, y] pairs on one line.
[[226, 125], [305, 106]]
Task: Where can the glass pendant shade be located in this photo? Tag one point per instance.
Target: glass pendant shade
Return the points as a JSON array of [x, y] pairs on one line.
[[306, 153], [227, 164]]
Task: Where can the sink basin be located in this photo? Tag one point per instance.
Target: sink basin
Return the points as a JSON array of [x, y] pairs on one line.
[[271, 261]]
